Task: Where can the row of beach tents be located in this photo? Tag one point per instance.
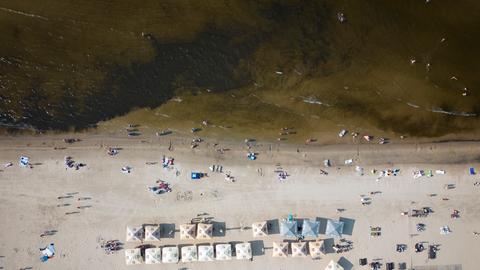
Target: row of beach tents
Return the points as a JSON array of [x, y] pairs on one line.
[[220, 252], [288, 228], [152, 232], [191, 253]]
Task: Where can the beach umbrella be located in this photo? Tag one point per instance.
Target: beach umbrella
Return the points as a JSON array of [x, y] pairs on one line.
[[310, 228], [223, 252], [243, 251], [316, 249], [334, 228], [205, 253], [133, 256], [170, 255], [204, 231], [299, 249], [333, 266], [189, 254], [280, 249], [153, 255], [152, 233], [135, 234], [187, 231], [288, 228], [259, 229]]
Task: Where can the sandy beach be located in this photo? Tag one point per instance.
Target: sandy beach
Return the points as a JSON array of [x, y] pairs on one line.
[[111, 200]]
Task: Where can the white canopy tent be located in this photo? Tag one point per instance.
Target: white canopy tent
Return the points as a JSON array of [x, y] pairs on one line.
[[334, 228], [223, 252], [333, 266], [204, 231], [205, 253], [187, 231], [189, 254], [316, 249], [288, 228], [170, 255], [299, 249], [260, 229], [280, 249], [135, 234], [133, 256], [152, 233], [153, 255], [310, 228], [243, 251]]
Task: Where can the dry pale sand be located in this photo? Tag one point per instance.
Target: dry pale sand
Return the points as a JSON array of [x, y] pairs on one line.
[[29, 199]]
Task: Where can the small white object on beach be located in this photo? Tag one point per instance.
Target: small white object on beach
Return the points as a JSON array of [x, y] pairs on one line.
[[327, 163], [445, 230], [348, 161], [440, 172], [368, 138], [359, 170], [279, 72], [342, 133], [126, 169]]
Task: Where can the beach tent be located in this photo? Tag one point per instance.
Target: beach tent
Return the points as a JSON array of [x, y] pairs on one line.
[[170, 255], [334, 228], [310, 228], [205, 253], [259, 229], [299, 249], [223, 252], [280, 249], [189, 254], [204, 231], [187, 231], [333, 266], [134, 234], [153, 255], [133, 256], [288, 228], [152, 233], [243, 251], [316, 249]]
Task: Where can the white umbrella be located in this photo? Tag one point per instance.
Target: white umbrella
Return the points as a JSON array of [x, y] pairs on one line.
[[316, 249], [280, 249], [333, 266], [134, 234], [152, 233], [170, 255], [204, 231], [187, 231], [299, 249], [153, 255], [189, 254], [133, 256], [243, 251], [205, 253], [223, 252], [259, 229]]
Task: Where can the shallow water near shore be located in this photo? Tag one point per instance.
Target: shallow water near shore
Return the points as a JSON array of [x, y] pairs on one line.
[[249, 68]]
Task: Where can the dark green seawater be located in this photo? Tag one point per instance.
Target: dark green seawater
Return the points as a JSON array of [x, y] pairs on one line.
[[404, 67]]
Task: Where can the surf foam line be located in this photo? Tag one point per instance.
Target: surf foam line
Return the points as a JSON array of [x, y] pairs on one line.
[[439, 110], [24, 13]]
